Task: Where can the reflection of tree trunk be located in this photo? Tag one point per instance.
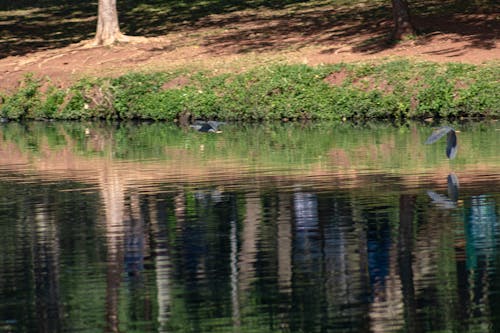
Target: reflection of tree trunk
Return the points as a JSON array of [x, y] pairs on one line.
[[360, 225], [402, 21], [387, 308], [405, 249], [113, 277], [249, 240], [135, 245], [284, 244], [47, 272], [438, 233], [113, 193], [162, 263], [285, 254], [135, 206], [137, 248], [386, 311], [344, 252], [233, 238], [180, 207], [361, 247]]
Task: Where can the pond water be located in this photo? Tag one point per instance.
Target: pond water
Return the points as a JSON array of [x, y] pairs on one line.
[[262, 228]]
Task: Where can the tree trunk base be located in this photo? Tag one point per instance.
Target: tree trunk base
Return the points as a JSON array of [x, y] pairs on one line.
[[403, 27], [116, 39], [403, 33]]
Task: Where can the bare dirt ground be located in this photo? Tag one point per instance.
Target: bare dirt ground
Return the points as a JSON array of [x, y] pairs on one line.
[[240, 40]]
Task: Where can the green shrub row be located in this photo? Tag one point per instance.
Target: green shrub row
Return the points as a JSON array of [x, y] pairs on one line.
[[400, 89]]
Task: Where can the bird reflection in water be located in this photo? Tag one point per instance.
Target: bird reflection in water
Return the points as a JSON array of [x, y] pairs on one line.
[[451, 140], [450, 201]]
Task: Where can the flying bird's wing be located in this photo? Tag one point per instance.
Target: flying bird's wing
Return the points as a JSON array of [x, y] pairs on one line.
[[196, 127], [215, 124], [438, 134], [442, 201]]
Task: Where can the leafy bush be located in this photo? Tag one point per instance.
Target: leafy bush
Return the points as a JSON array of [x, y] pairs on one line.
[[24, 102], [398, 89], [130, 90], [49, 107]]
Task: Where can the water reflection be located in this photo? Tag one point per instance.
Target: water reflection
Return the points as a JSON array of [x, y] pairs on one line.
[[481, 230], [450, 201], [46, 269], [127, 248]]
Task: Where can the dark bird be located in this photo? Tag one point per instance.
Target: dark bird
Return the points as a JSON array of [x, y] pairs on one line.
[[207, 126], [451, 140]]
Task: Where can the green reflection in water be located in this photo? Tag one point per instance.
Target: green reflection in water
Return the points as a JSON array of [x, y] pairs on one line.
[[376, 146]]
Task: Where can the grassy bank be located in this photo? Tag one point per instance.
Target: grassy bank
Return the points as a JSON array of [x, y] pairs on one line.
[[397, 89]]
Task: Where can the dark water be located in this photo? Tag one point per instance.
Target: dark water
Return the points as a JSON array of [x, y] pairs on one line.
[[265, 228]]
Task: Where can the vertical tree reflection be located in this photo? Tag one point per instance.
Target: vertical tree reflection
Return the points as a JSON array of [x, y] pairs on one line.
[[284, 249], [481, 232], [204, 260], [306, 262], [328, 265], [162, 260], [248, 250], [284, 257], [113, 196], [405, 260], [46, 270], [137, 249], [386, 308]]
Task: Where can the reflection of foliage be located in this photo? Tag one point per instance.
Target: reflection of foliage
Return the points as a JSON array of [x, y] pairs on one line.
[[290, 146]]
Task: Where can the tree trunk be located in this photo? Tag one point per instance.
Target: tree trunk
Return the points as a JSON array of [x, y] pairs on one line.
[[402, 21], [108, 30]]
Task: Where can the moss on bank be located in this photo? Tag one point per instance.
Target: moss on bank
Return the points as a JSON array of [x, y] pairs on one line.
[[399, 89]]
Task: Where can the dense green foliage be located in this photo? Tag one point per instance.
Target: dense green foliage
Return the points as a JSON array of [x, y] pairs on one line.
[[399, 89]]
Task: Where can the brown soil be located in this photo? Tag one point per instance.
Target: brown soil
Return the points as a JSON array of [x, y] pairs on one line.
[[240, 40]]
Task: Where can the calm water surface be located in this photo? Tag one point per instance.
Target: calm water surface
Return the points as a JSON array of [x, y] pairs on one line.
[[265, 228]]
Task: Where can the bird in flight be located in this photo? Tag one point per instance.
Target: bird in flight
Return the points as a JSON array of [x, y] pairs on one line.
[[208, 126], [451, 140]]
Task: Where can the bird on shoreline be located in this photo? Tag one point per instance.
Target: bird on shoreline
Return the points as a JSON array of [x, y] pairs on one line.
[[451, 140]]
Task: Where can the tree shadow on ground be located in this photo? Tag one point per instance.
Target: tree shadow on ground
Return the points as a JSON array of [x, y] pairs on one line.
[[31, 29], [319, 25], [34, 25], [365, 27], [477, 32], [238, 26]]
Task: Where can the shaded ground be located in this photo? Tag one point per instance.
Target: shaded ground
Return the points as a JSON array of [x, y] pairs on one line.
[[234, 35]]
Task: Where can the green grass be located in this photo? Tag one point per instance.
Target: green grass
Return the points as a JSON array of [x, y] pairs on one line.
[[397, 90]]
